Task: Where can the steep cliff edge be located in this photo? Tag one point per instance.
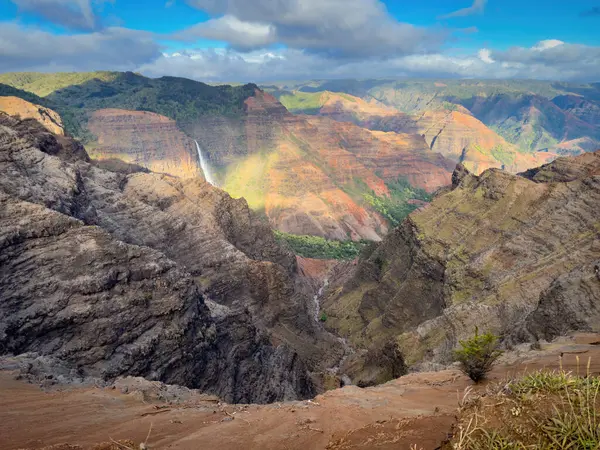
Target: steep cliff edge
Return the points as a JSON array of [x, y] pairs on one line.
[[206, 297], [488, 253], [311, 174], [15, 106], [451, 131], [143, 138]]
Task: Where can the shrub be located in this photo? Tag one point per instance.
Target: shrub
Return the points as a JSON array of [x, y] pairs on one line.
[[320, 248], [323, 317], [477, 355], [542, 410]]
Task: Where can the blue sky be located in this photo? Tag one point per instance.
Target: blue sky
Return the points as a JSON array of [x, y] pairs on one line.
[[256, 40]]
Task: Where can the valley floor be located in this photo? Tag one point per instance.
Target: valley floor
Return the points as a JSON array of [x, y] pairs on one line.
[[415, 410]]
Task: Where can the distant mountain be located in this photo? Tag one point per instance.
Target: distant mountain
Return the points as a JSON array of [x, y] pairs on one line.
[[310, 176], [450, 130], [44, 84], [76, 95], [533, 115]]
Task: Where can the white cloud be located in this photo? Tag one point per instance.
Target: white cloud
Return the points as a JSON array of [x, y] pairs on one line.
[[485, 55], [113, 48], [338, 28], [545, 45], [239, 34], [477, 7], [263, 66]]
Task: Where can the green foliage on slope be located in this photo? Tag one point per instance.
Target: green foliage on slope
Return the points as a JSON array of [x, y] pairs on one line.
[[43, 84], [302, 102], [10, 91], [396, 207], [75, 95], [320, 248]]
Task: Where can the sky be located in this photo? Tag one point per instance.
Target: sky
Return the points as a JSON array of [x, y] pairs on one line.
[[276, 40]]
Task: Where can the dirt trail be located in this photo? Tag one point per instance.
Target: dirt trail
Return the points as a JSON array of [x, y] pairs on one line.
[[415, 409]]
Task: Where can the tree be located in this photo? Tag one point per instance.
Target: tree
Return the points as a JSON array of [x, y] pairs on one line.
[[477, 355]]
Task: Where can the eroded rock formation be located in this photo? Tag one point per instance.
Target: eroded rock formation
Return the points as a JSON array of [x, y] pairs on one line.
[[453, 132], [499, 251], [309, 174], [148, 139], [125, 272], [15, 106]]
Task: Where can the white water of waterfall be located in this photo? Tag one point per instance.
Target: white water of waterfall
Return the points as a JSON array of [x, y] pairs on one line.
[[204, 166]]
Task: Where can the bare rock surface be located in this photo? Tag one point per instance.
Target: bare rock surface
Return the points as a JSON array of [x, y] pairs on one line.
[[15, 106], [416, 409], [110, 271], [145, 138], [506, 253]]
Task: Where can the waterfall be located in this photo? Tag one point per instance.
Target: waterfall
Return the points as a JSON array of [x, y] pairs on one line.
[[204, 166]]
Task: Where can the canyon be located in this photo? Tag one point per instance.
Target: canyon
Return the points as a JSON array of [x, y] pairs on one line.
[[120, 257], [112, 270], [514, 254], [533, 116], [323, 162], [451, 130]]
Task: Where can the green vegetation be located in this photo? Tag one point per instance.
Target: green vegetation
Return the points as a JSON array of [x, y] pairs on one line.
[[10, 91], [477, 355], [541, 411], [75, 95], [323, 317], [43, 84], [396, 207], [302, 102], [506, 158], [320, 248], [310, 103]]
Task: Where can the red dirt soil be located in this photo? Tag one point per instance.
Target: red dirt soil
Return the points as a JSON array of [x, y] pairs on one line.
[[417, 409]]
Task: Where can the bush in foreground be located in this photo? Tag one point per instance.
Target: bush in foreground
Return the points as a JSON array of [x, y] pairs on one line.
[[477, 355], [541, 411]]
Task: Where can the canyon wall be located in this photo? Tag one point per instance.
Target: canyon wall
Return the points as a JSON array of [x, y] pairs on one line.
[[499, 251], [126, 272]]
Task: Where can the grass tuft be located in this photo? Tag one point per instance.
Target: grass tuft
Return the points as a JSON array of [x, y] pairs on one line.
[[541, 410]]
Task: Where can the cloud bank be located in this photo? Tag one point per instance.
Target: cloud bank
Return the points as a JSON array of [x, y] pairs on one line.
[[337, 28], [71, 14], [546, 60], [270, 40]]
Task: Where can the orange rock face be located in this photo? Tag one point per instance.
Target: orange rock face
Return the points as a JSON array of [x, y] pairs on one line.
[[148, 139], [455, 133], [15, 106], [309, 172]]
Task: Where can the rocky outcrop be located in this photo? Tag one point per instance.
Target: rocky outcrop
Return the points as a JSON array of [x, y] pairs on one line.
[[127, 272], [15, 106], [488, 253], [571, 303], [453, 133], [310, 174], [566, 169], [144, 138]]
